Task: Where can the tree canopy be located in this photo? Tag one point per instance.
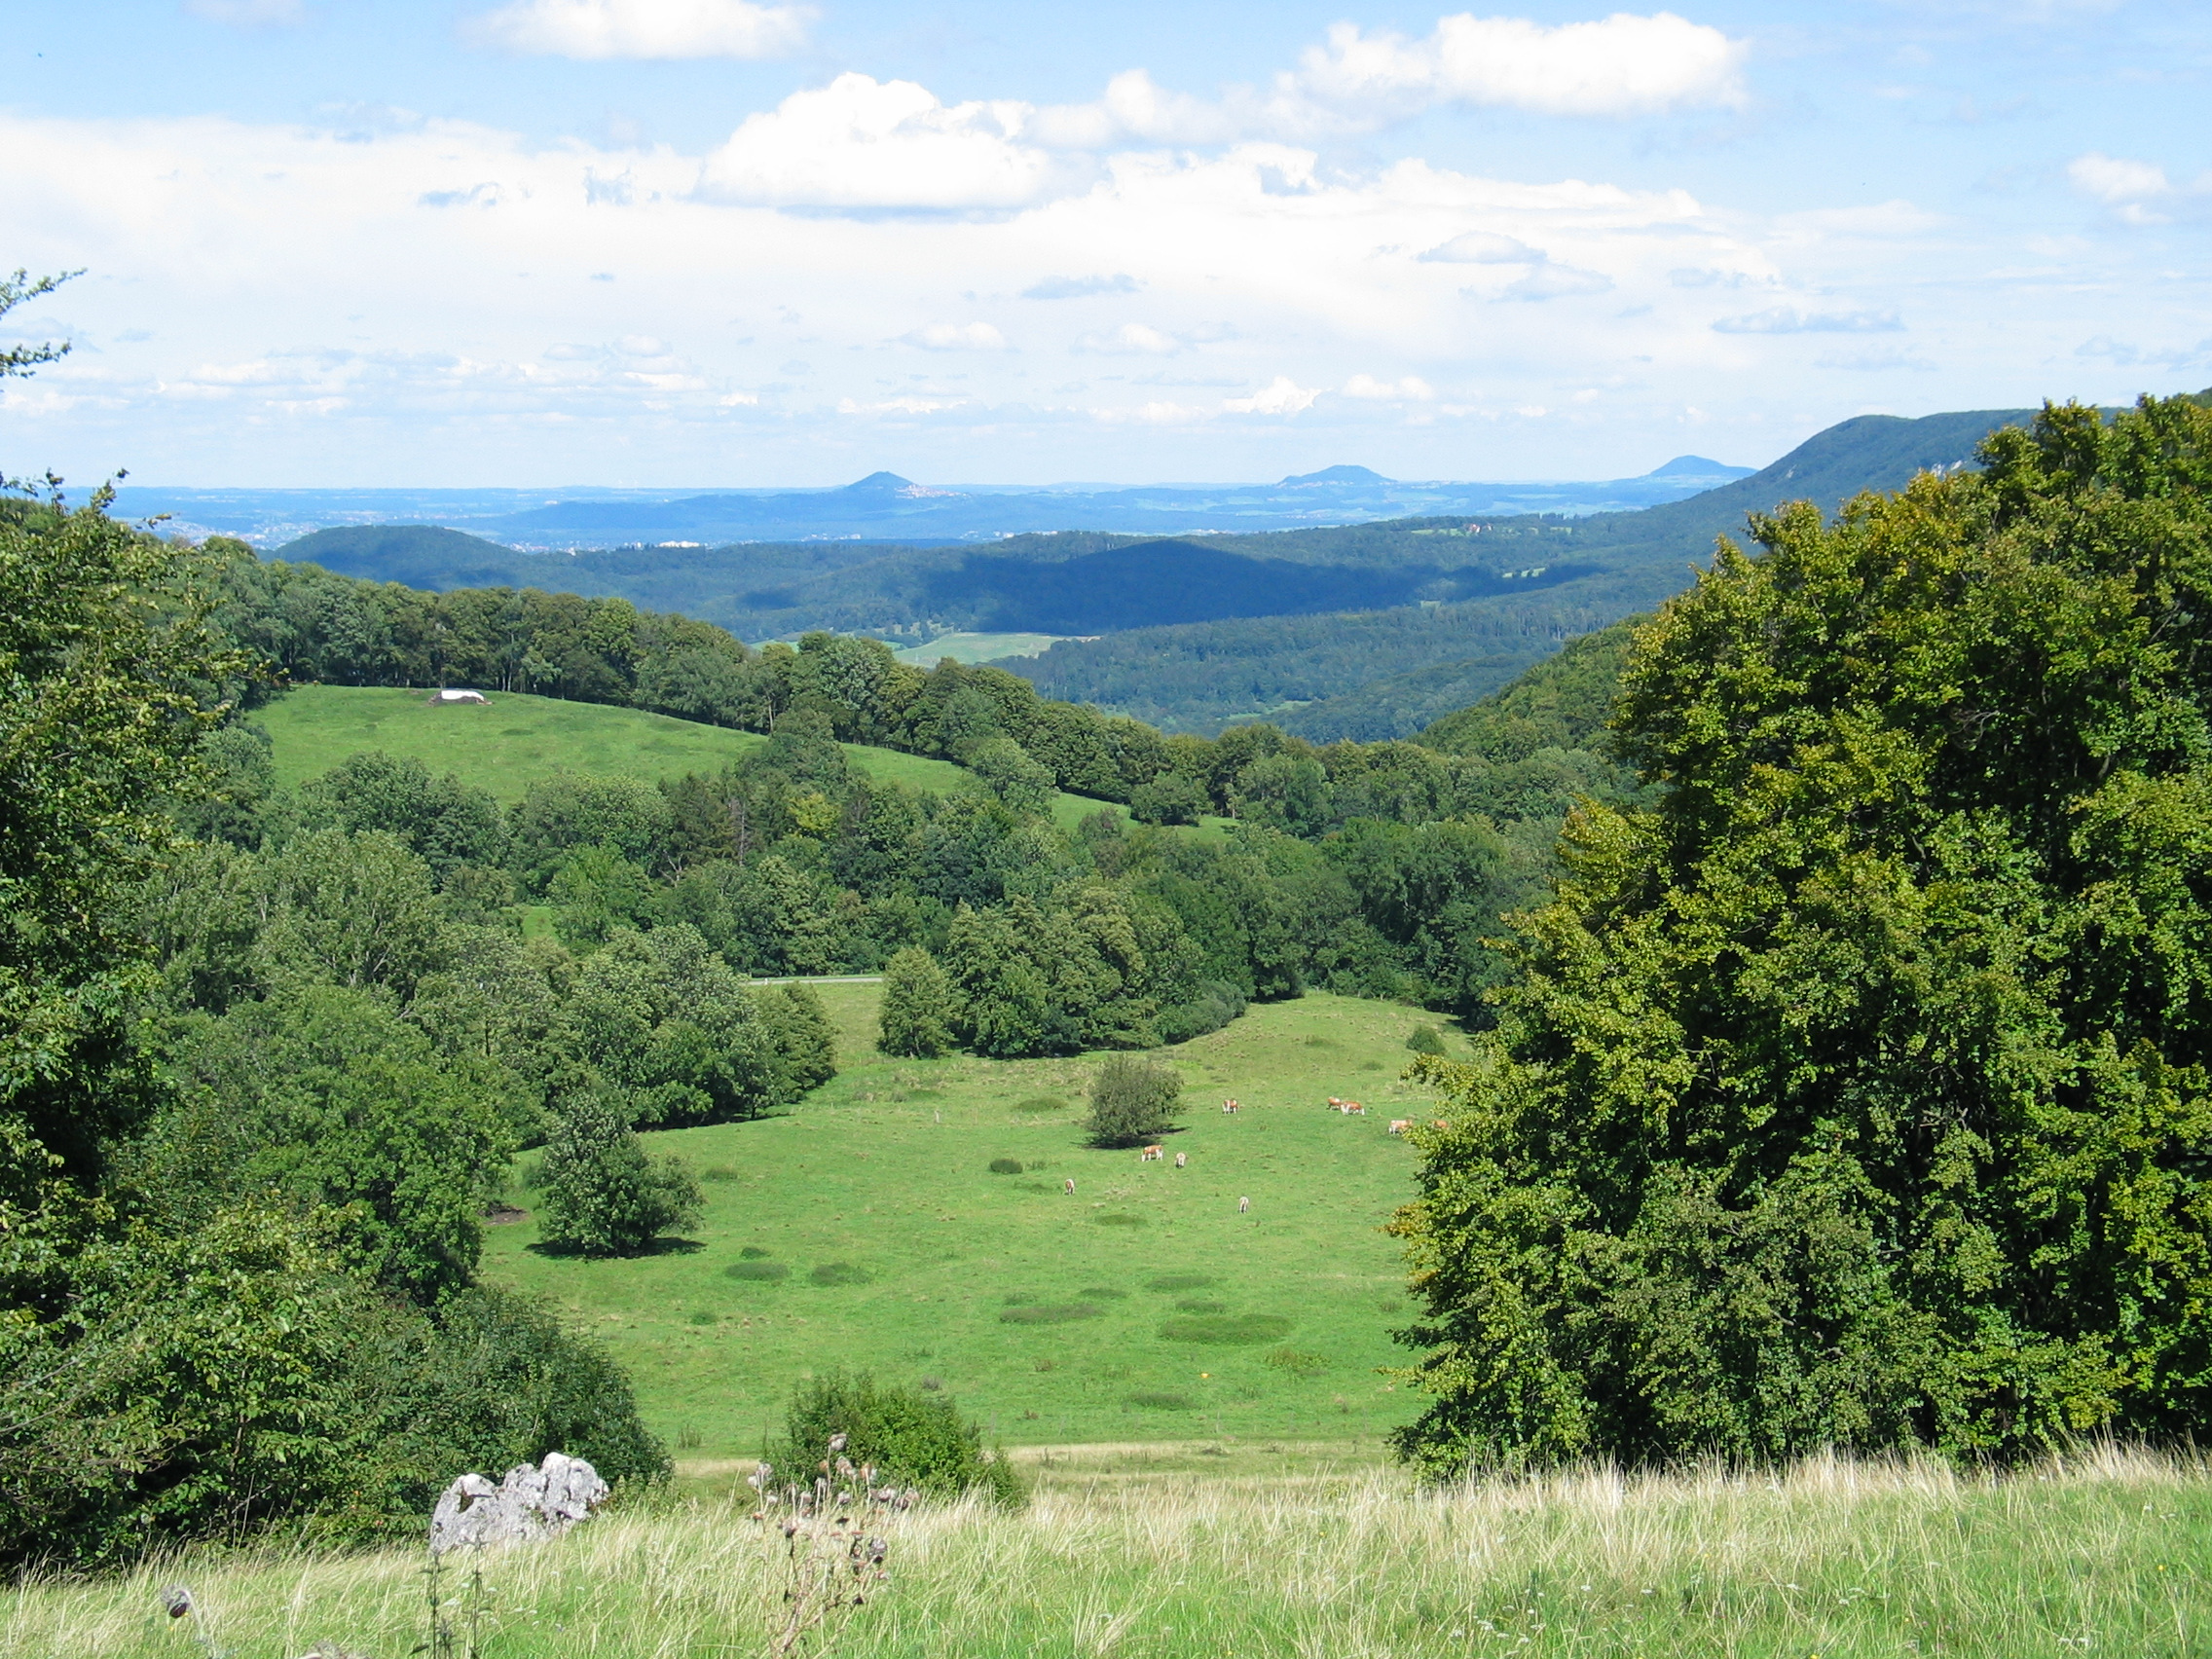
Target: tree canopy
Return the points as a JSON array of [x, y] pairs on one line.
[[1855, 1093]]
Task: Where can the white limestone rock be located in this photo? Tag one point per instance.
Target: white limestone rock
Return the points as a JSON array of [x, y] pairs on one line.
[[527, 1505]]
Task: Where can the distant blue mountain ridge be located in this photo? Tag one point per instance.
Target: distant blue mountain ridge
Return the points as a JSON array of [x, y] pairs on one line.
[[886, 507]]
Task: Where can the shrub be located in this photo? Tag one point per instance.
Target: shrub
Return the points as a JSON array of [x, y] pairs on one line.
[[754, 1253], [1133, 1099], [763, 1272], [914, 1439], [1006, 1166], [1039, 1313], [1169, 798], [604, 1195], [916, 1016], [1425, 1040], [1168, 1283], [721, 1172], [1214, 1006], [1226, 1330], [840, 1272], [1297, 1362]]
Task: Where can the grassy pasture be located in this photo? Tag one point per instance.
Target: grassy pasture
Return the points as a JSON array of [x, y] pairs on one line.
[[506, 744], [1145, 1306], [1830, 1561], [976, 647]]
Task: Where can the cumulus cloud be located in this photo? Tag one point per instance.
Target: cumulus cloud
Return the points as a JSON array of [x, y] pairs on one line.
[[1483, 248], [1411, 388], [1130, 340], [643, 29], [860, 142], [1557, 282], [1618, 65], [2117, 179], [1078, 287], [957, 337], [1280, 396], [1784, 320]]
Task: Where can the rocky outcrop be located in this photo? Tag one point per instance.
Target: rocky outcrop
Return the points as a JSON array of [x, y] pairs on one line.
[[528, 1504]]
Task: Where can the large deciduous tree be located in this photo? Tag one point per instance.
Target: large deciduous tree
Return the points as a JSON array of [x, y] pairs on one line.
[[1855, 1093]]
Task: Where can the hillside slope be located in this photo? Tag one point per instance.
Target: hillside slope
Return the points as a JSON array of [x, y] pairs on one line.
[[1199, 678]]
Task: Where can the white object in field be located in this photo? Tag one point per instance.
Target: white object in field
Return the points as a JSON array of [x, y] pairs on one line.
[[528, 1504], [460, 694]]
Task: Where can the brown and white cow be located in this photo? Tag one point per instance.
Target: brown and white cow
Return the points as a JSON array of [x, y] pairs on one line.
[[1152, 1155], [1229, 1105], [1182, 1160], [1399, 1125]]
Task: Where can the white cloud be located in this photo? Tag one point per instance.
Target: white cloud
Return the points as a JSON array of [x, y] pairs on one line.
[[1412, 388], [2115, 179], [1619, 66], [246, 14], [1483, 248], [1558, 282], [1783, 320], [860, 142], [957, 337], [644, 28], [1130, 340], [1078, 287], [1280, 396]]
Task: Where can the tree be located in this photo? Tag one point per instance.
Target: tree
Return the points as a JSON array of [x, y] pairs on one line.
[[1855, 1093], [1006, 770], [1132, 1100], [1169, 798], [603, 1193], [913, 1438], [916, 1016]]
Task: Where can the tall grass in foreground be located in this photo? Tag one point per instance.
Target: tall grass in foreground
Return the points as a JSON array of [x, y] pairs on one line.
[[2109, 1553]]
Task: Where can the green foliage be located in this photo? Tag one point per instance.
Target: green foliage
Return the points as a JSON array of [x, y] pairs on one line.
[[1133, 1099], [1006, 1166], [1853, 1094], [911, 1437], [1563, 702], [442, 820], [1426, 1040], [916, 1016], [1169, 798], [603, 1193]]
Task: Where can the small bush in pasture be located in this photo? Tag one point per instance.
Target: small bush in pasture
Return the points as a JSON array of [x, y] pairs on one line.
[[1037, 1105], [754, 1253], [1297, 1362], [720, 1172], [1116, 1218], [916, 1021], [1168, 1283], [1006, 1166], [1320, 1042], [841, 1272], [1133, 1099], [1226, 1330], [1198, 1304], [1052, 1313], [1163, 1402], [605, 1195], [702, 1317], [915, 1440], [763, 1272], [1425, 1040], [1101, 1293]]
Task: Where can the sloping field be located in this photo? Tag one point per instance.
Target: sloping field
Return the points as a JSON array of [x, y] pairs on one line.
[[1145, 1305], [505, 744], [1828, 1561]]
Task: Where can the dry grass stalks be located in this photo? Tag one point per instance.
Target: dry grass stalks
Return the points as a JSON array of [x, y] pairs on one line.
[[2106, 1551]]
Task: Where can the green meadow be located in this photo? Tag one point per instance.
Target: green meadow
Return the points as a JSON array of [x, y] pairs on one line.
[[505, 744], [976, 647], [866, 1228]]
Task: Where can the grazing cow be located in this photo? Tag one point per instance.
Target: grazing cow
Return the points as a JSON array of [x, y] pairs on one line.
[[1152, 1155], [1182, 1158], [1071, 1186], [1355, 1108], [1399, 1125], [1229, 1106], [1338, 1104], [1243, 1206]]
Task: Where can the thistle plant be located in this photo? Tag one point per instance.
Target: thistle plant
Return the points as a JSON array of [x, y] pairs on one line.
[[827, 1553]]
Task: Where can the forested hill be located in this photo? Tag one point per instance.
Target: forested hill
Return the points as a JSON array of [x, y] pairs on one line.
[[1389, 671]]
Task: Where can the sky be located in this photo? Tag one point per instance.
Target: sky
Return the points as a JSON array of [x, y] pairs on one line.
[[744, 243]]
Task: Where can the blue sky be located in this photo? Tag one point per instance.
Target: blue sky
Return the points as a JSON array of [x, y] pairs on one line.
[[675, 243]]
